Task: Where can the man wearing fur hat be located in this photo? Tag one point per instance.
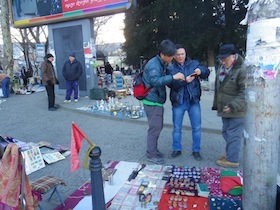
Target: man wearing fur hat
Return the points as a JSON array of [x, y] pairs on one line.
[[72, 70], [230, 103]]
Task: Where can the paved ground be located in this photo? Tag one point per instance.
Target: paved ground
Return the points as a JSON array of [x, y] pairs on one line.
[[26, 118]]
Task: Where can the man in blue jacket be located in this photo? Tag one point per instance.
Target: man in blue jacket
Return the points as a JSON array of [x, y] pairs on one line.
[[72, 70], [185, 96], [155, 76]]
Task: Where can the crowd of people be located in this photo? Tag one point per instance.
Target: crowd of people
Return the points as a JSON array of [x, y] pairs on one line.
[[171, 67]]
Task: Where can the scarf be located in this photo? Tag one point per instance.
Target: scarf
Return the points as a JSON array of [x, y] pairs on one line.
[[10, 179]]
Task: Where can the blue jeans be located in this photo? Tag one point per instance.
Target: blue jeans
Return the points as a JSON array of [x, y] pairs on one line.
[[6, 87], [194, 112]]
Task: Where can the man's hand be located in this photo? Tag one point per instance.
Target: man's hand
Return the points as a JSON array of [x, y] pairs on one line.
[[179, 76], [197, 71], [192, 76], [227, 109]]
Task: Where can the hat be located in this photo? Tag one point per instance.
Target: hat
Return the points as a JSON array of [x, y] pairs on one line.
[[49, 56], [227, 50], [72, 54]]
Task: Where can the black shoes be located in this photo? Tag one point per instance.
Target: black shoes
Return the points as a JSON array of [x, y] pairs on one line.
[[196, 156], [52, 109], [175, 154]]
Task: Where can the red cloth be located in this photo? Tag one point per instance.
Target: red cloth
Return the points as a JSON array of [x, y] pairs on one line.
[[193, 202], [77, 137]]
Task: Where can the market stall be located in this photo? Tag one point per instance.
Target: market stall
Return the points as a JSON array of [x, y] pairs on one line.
[[139, 186]]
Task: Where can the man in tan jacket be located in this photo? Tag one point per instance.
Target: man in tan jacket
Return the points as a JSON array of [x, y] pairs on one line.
[[49, 80]]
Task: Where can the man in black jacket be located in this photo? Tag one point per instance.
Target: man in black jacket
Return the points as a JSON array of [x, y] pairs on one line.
[[72, 70]]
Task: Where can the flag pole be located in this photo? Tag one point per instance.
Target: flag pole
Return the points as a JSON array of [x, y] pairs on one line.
[[86, 138], [89, 141]]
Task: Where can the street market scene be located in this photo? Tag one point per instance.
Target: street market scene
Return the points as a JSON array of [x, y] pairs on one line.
[[94, 95]]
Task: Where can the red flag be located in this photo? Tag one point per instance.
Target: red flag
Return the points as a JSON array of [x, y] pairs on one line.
[[77, 137]]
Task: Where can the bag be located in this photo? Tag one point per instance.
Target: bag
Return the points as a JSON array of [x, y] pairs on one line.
[[139, 89], [97, 93]]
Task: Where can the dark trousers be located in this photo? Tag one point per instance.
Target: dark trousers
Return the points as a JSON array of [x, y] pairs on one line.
[[51, 96], [70, 87], [155, 121]]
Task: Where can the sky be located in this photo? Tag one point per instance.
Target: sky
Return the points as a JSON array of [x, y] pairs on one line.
[[112, 31]]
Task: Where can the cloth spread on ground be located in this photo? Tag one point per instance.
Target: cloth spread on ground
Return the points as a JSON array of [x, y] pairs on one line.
[[161, 196], [81, 198], [10, 179], [175, 202]]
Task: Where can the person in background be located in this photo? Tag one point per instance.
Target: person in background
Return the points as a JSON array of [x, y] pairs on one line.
[[129, 70], [185, 96], [49, 80], [72, 70], [108, 68], [155, 76], [117, 67], [24, 76], [230, 103], [5, 84]]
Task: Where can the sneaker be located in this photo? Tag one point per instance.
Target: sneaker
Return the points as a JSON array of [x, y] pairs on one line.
[[76, 100], [226, 163], [67, 101], [156, 160], [197, 156]]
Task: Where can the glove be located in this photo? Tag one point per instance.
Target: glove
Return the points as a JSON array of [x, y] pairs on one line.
[[49, 82], [56, 81]]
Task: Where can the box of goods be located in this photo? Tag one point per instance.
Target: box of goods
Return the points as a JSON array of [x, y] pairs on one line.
[[183, 181], [97, 93]]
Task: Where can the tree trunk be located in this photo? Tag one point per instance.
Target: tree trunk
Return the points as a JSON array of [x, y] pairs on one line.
[[261, 143], [8, 61], [211, 67]]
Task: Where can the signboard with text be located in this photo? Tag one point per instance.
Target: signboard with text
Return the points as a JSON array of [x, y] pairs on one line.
[[27, 13]]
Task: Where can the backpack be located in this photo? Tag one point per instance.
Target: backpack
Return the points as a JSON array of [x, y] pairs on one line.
[[139, 89]]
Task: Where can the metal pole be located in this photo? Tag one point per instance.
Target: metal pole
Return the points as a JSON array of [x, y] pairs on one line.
[[97, 191], [262, 119], [141, 62]]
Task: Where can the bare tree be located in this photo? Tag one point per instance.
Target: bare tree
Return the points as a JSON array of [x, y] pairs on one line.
[[8, 61], [27, 39], [98, 22]]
